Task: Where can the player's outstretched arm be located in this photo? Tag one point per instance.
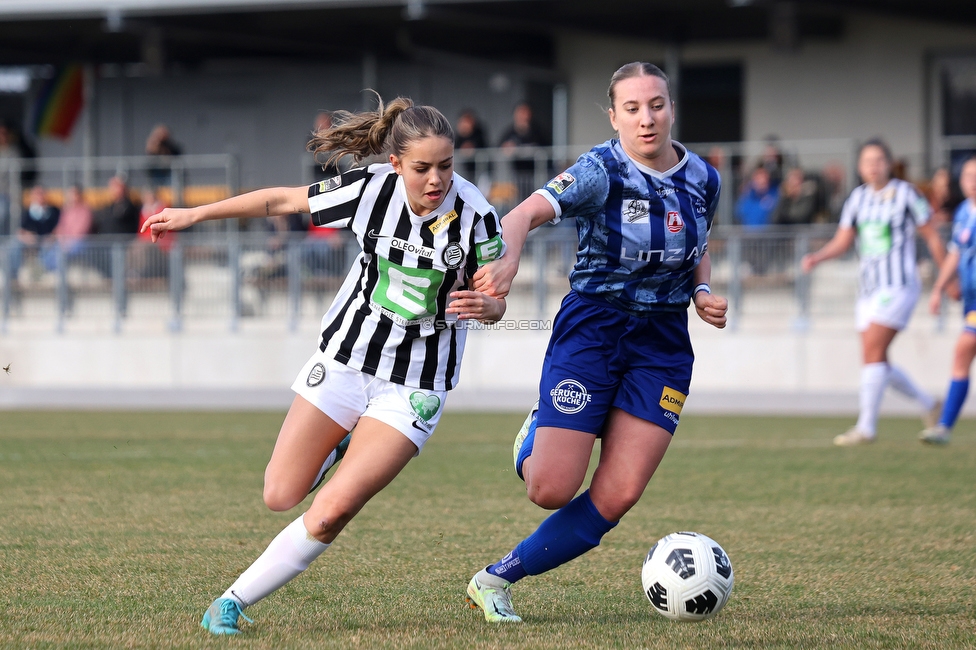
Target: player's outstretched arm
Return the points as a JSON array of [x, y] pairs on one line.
[[711, 308], [475, 305], [934, 242], [259, 203], [836, 247], [950, 265], [495, 278]]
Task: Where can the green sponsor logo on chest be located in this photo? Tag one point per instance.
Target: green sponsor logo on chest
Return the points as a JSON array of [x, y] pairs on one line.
[[874, 238], [407, 292]]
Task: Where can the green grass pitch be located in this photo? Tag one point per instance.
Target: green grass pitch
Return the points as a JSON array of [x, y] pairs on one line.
[[118, 529]]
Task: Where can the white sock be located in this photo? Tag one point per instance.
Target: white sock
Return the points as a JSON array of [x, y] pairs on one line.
[[904, 385], [287, 555], [874, 377]]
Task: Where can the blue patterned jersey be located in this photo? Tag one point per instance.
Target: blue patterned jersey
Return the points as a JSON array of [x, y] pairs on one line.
[[964, 241], [641, 232]]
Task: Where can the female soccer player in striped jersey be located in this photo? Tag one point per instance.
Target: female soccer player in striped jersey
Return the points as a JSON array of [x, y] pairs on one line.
[[619, 359], [882, 215], [961, 260], [392, 340]]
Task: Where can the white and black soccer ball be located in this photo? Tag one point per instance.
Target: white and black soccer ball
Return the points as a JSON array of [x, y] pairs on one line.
[[687, 577]]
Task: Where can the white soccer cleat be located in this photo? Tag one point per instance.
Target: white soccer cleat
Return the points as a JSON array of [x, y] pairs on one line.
[[931, 417], [494, 596], [853, 437], [937, 435]]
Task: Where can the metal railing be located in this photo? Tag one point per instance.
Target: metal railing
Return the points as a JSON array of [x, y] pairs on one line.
[[174, 172], [236, 278]]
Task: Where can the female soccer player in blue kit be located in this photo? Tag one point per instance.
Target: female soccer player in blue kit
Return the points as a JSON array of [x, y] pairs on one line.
[[619, 359], [962, 260]]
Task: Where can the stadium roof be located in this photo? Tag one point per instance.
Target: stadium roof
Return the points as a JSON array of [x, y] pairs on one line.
[[192, 31]]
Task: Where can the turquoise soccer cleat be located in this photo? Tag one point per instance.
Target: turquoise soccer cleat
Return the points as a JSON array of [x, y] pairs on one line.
[[222, 617]]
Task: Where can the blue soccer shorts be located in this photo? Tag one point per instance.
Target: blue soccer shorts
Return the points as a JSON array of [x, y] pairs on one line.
[[601, 357]]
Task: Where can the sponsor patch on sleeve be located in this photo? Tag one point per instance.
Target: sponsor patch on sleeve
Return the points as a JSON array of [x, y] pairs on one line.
[[672, 400], [489, 250], [330, 184], [561, 183]]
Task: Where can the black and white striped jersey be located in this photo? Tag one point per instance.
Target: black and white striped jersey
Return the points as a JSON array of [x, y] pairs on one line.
[[885, 221], [388, 318]]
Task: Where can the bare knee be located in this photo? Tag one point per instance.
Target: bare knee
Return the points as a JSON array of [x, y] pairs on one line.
[[325, 526], [279, 497], [548, 495], [616, 500]]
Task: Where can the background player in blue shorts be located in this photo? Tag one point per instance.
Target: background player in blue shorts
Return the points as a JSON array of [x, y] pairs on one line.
[[619, 359], [962, 260]]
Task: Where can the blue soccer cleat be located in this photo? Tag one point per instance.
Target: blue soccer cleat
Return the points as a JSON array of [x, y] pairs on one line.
[[222, 616]]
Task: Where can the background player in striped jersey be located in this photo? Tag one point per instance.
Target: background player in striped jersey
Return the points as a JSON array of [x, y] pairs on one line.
[[619, 359], [391, 344], [962, 260], [882, 215]]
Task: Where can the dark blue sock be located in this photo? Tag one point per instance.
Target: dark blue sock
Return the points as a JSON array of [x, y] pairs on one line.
[[958, 389], [508, 568], [565, 534]]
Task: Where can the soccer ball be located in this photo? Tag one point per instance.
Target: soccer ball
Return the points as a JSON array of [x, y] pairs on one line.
[[687, 577]]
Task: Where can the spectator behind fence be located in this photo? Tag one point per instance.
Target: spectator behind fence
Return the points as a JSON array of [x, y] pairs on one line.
[[468, 136], [9, 157], [73, 226], [835, 190], [121, 216], [160, 143], [773, 161], [320, 172], [523, 132], [798, 199], [755, 207], [37, 222], [938, 191], [146, 260]]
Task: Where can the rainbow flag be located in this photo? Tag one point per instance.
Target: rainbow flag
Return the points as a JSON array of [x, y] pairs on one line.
[[59, 103]]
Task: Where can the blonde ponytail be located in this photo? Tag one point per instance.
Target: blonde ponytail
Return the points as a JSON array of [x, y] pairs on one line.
[[393, 126]]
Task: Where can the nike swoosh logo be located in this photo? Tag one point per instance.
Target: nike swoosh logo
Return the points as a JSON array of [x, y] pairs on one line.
[[372, 234], [418, 427]]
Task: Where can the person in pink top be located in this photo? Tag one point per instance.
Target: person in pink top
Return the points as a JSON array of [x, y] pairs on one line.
[[73, 227]]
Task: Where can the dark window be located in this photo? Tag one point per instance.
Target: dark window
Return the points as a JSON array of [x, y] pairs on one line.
[[709, 107]]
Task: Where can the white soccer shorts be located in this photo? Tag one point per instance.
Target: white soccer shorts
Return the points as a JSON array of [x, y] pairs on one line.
[[345, 395], [891, 307]]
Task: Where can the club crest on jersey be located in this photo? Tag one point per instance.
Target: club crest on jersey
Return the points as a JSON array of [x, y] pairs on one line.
[[453, 256], [330, 184], [441, 222], [315, 376], [561, 183], [636, 211], [675, 222]]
